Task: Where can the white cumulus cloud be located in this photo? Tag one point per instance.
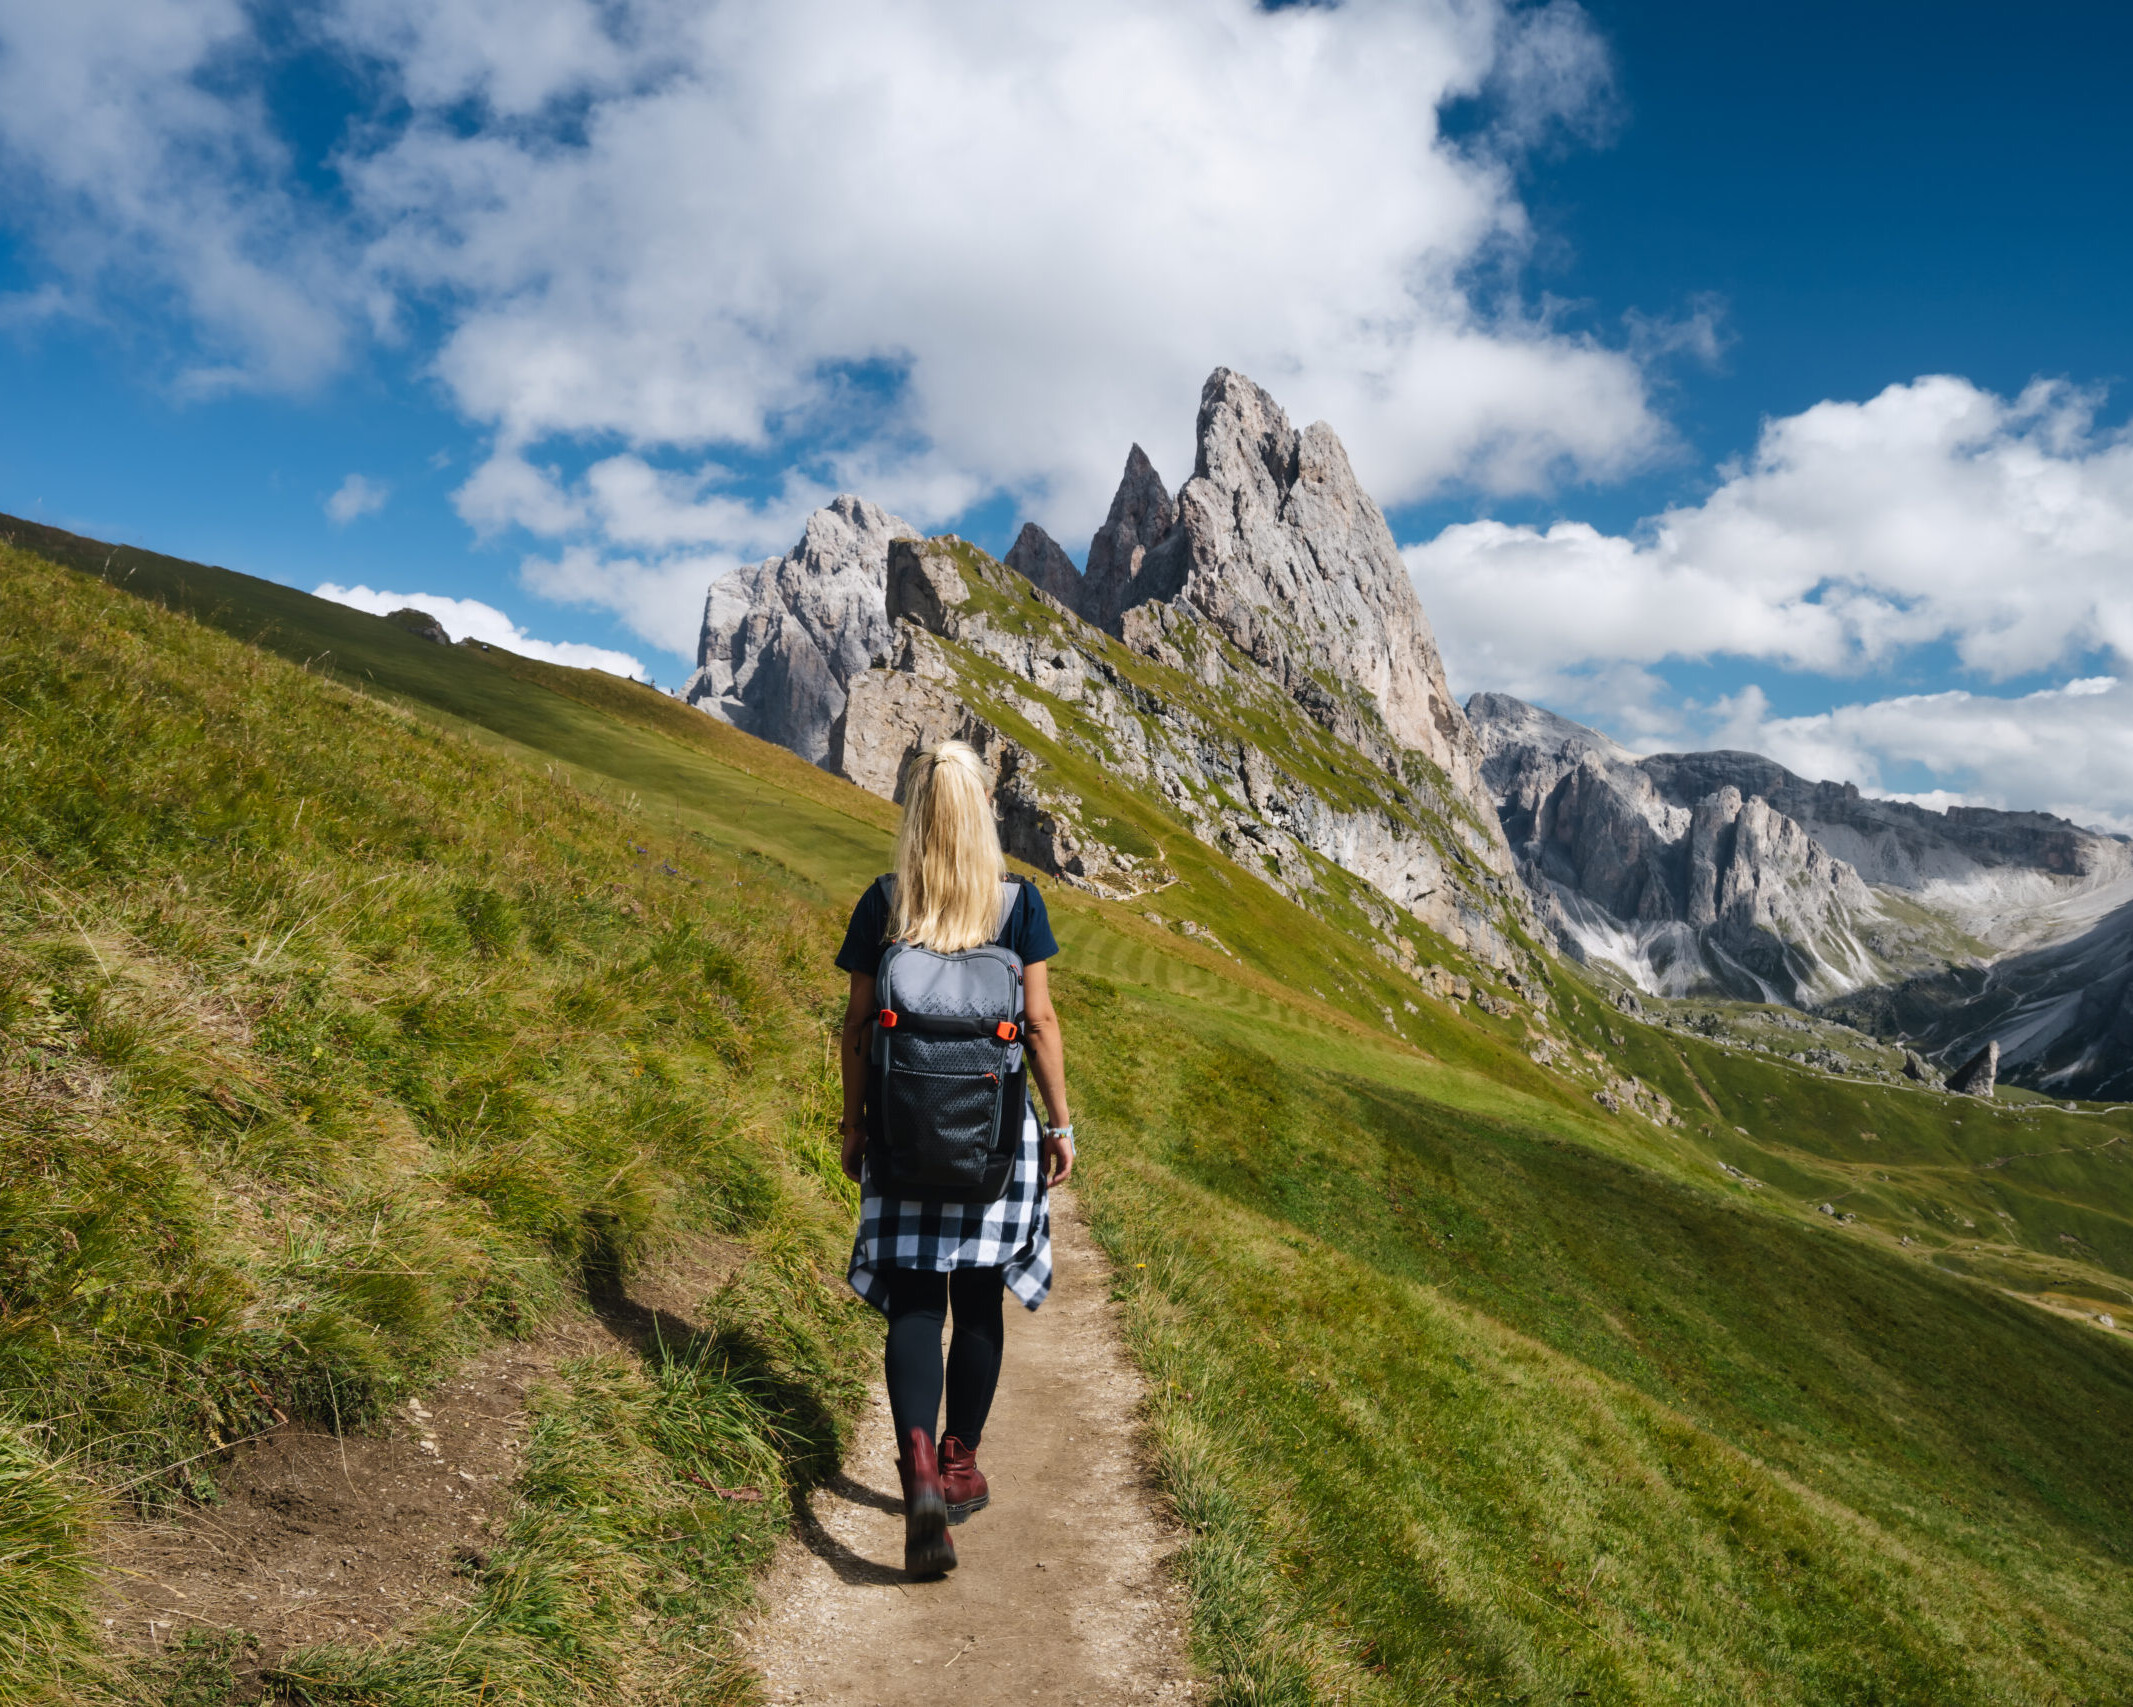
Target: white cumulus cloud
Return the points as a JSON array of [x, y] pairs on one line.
[[470, 619], [931, 250], [2067, 750], [1935, 515], [356, 496]]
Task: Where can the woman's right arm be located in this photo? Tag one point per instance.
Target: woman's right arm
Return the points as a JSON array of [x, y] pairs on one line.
[[1047, 1065], [852, 1058]]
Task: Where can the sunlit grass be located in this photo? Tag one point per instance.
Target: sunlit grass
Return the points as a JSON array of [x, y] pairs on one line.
[[341, 1036], [334, 1044]]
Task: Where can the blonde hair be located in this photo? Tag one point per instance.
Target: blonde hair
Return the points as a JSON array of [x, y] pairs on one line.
[[948, 862]]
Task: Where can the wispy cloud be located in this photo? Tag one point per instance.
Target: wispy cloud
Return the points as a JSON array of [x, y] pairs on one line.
[[358, 495]]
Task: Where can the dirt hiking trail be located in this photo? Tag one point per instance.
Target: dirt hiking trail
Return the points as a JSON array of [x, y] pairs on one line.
[[314, 1537], [1063, 1592]]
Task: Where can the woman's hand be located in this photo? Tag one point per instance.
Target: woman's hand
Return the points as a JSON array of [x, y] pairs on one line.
[[1057, 1157], [855, 1146]]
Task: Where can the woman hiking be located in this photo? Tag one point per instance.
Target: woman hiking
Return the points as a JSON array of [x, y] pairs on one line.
[[950, 1016]]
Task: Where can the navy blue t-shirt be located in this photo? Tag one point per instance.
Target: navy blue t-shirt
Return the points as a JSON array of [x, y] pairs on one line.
[[1028, 932]]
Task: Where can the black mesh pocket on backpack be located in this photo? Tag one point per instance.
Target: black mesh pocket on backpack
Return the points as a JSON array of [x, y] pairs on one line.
[[974, 1056], [941, 1112]]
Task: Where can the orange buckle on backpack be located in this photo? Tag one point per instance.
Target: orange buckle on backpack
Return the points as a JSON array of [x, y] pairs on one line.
[[1007, 1031], [888, 1019]]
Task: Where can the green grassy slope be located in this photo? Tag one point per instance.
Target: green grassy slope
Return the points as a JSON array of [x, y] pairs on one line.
[[335, 1044], [1469, 1389], [1469, 1411]]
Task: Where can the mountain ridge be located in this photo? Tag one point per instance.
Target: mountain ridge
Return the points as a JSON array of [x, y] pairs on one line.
[[1949, 929], [1251, 654]]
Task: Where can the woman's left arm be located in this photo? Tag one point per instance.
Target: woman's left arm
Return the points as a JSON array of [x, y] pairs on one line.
[[852, 1058], [1047, 1064]]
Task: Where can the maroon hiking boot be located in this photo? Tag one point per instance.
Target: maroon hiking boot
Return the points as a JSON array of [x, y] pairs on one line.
[[962, 1482], [927, 1550]]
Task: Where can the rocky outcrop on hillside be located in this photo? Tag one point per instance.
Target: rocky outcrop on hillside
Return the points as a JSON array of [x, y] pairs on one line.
[[783, 638], [1976, 1076], [420, 624], [1168, 717]]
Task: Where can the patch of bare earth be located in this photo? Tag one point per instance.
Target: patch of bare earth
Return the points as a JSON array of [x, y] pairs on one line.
[[322, 1538], [1063, 1592]]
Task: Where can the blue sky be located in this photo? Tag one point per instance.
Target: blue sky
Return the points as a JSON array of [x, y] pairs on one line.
[[600, 302]]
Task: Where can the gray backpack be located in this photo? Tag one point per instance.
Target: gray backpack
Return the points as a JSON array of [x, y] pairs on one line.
[[947, 1091]]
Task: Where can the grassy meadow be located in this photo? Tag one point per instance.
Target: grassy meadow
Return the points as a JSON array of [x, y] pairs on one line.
[[336, 1044], [359, 995]]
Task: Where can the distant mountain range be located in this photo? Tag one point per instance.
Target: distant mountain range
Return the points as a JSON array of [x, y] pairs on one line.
[[1724, 873]]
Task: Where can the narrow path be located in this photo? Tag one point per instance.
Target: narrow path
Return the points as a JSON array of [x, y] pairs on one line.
[[315, 1537], [1063, 1593]]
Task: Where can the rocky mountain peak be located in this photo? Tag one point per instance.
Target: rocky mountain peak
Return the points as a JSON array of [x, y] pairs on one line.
[[1270, 590], [1142, 512], [1042, 561], [1278, 547], [782, 639]]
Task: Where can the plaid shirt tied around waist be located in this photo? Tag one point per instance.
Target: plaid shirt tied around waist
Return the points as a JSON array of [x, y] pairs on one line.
[[1014, 1234]]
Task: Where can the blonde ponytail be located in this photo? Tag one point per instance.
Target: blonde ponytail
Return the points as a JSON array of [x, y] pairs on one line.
[[948, 862]]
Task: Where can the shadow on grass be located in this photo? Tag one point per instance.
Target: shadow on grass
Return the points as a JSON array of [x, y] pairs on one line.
[[787, 1397]]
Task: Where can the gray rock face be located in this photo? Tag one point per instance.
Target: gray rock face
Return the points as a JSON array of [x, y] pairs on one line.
[[1040, 559], [1141, 514], [783, 639], [1977, 1076], [1717, 891], [1280, 549], [1408, 842]]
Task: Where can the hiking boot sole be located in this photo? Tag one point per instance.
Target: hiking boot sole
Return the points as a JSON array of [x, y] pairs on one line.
[[927, 1550], [960, 1512]]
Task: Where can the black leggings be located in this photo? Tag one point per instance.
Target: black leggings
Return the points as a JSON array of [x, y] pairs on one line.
[[918, 1309]]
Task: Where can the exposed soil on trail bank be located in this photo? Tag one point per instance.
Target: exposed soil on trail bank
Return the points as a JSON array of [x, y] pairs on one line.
[[1063, 1592], [315, 1537]]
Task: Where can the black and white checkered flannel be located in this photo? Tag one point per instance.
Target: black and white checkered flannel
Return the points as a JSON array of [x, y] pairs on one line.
[[1014, 1233]]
